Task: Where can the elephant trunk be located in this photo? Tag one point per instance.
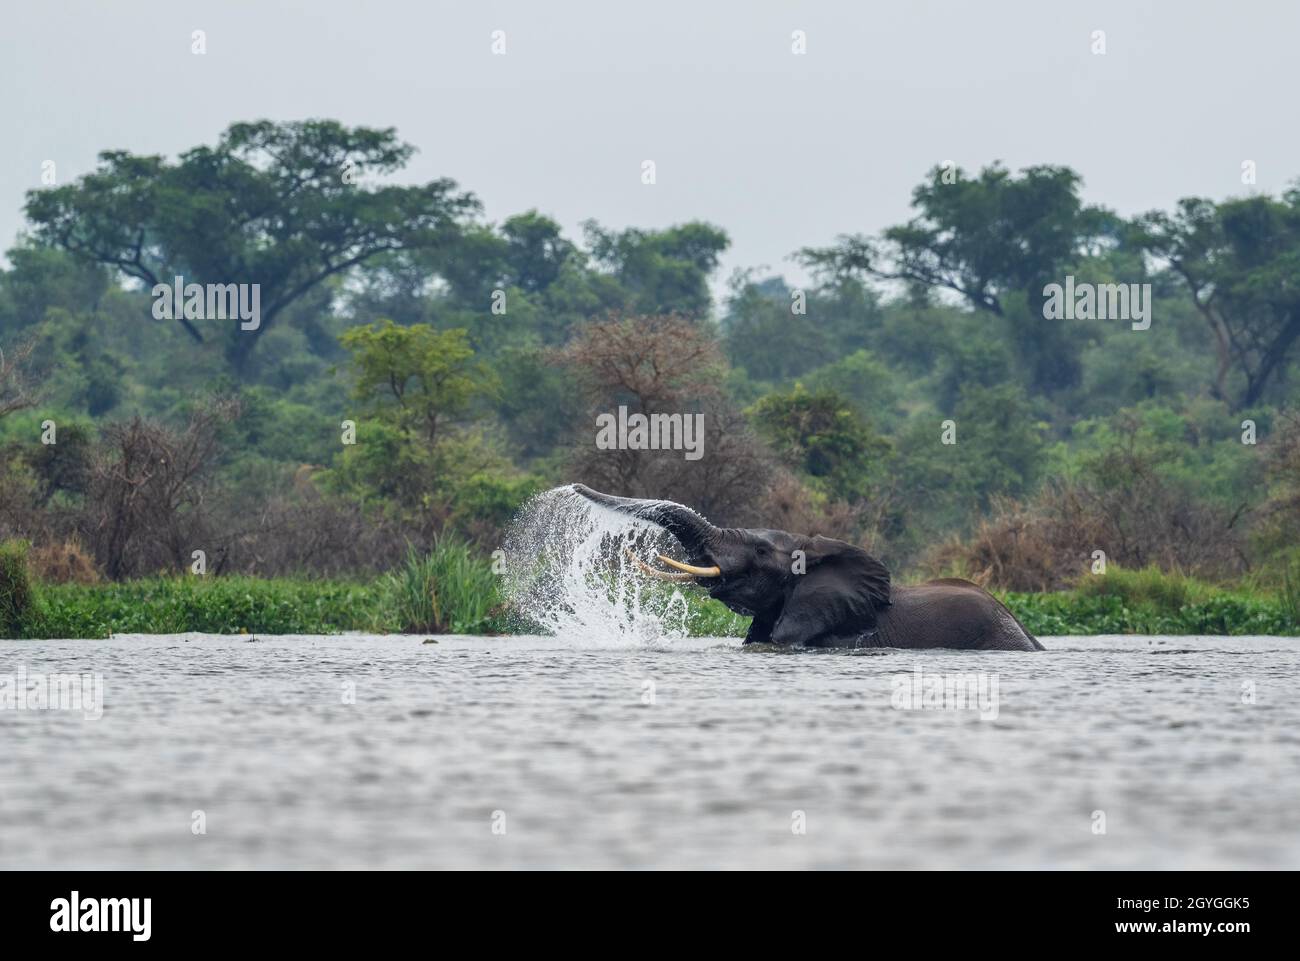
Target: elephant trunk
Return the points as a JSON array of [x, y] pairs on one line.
[[692, 530]]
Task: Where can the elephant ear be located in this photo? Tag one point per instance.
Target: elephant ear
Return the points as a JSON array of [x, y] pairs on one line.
[[839, 592]]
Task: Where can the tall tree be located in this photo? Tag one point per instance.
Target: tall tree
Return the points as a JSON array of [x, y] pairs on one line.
[[419, 375], [992, 240], [43, 278], [1239, 261], [821, 435], [664, 365], [281, 205], [17, 390], [664, 271]]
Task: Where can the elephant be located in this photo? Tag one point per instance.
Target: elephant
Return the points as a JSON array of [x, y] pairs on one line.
[[820, 592]]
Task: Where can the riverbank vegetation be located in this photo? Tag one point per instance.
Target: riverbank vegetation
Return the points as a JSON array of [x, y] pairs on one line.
[[452, 591], [418, 372]]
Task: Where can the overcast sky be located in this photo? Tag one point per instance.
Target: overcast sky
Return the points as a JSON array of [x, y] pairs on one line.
[[781, 150]]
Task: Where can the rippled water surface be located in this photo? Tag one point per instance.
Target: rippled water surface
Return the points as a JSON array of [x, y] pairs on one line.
[[555, 741]]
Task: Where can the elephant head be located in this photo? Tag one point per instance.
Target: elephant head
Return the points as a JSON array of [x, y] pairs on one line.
[[797, 588]]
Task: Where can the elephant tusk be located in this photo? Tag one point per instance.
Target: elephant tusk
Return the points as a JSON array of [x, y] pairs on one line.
[[657, 574], [693, 571]]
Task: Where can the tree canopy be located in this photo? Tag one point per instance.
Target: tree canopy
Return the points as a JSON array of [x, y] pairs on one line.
[[280, 205], [910, 392]]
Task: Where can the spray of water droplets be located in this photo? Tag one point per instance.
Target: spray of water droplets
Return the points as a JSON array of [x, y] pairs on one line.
[[567, 572]]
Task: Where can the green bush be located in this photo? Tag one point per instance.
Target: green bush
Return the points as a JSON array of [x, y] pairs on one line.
[[18, 609], [450, 590], [211, 605], [1290, 593], [1218, 612], [1150, 585]]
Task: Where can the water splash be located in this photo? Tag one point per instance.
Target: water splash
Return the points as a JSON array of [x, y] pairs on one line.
[[567, 572]]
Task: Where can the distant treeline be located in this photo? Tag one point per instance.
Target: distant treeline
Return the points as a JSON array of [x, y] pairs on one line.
[[415, 372]]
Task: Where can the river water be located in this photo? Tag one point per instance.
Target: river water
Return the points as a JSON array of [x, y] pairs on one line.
[[537, 752]]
